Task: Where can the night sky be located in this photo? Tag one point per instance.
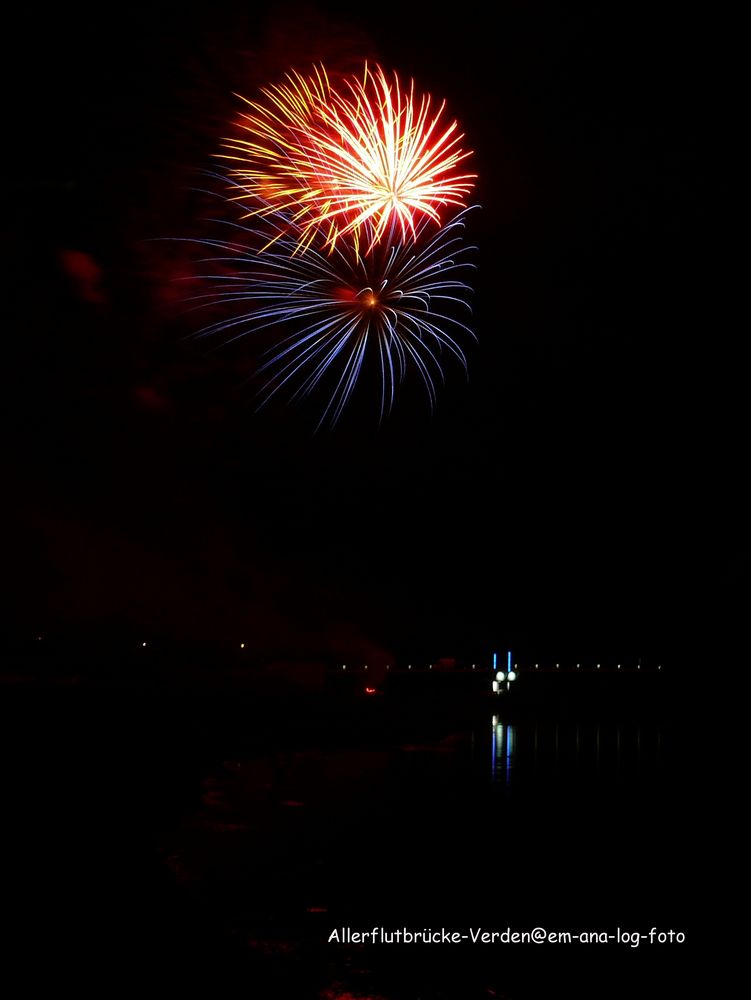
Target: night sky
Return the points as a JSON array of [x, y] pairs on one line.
[[580, 492]]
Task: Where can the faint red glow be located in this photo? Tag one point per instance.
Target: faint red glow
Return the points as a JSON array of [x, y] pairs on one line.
[[345, 294], [149, 398], [85, 274]]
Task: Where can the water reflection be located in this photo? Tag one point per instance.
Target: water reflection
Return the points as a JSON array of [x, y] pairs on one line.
[[293, 841], [502, 743], [557, 749]]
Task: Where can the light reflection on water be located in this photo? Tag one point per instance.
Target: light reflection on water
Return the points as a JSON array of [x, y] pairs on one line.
[[572, 748], [253, 811], [391, 831], [503, 738]]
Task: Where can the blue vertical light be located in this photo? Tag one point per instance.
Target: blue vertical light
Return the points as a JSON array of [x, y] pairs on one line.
[[495, 662], [508, 668], [509, 751]]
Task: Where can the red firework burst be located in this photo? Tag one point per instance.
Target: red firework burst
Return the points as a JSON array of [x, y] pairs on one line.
[[364, 155]]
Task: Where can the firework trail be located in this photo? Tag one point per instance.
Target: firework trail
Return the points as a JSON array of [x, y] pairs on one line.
[[337, 250], [362, 155], [330, 312]]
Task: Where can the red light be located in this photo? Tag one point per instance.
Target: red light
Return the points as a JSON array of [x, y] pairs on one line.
[[370, 690]]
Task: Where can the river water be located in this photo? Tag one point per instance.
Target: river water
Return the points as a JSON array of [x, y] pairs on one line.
[[161, 847]]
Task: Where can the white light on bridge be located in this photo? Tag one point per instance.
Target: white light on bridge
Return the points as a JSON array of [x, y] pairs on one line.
[[512, 676]]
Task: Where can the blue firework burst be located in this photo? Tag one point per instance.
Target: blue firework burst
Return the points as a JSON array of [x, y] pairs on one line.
[[328, 314]]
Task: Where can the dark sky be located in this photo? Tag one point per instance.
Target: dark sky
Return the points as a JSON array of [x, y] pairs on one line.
[[581, 490]]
